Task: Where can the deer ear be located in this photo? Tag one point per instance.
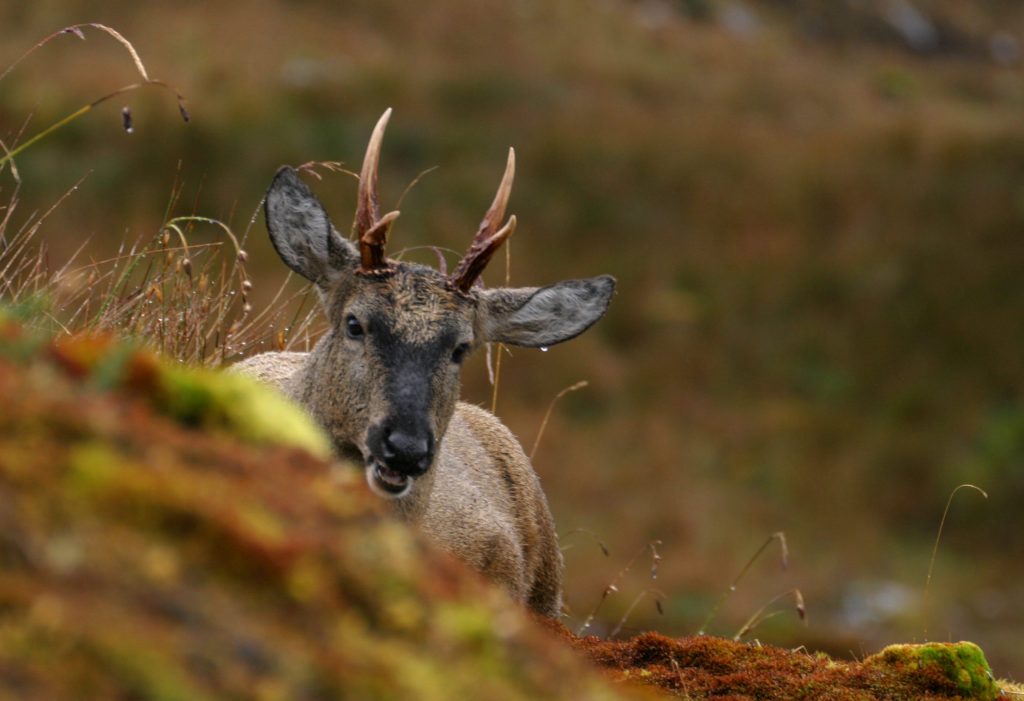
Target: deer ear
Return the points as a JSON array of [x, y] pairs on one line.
[[544, 316], [301, 232]]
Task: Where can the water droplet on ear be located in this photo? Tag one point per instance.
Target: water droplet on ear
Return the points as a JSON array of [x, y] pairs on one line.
[[543, 349]]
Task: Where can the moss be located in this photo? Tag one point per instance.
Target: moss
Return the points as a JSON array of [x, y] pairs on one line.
[[140, 558], [92, 466], [239, 405], [143, 673], [469, 627], [194, 397], [963, 664], [17, 343], [704, 666]]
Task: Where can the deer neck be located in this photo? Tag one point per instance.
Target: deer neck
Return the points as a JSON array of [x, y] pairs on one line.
[[328, 408]]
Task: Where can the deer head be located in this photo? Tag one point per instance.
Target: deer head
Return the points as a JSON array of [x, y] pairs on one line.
[[384, 380]]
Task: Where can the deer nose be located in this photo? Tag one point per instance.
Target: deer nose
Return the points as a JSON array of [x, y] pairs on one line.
[[408, 453]]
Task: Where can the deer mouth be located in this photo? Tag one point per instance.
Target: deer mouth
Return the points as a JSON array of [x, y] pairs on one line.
[[387, 482]]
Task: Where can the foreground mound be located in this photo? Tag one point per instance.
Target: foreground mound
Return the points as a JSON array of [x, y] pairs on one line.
[[143, 559], [171, 534]]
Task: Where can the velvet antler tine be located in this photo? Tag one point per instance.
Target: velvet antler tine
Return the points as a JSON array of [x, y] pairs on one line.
[[488, 238], [492, 220], [374, 241], [369, 227], [367, 205], [479, 255]]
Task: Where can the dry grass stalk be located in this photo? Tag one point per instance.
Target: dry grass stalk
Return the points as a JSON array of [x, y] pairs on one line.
[[935, 548], [76, 30], [495, 375], [777, 536], [10, 153], [585, 531], [659, 596], [547, 415], [762, 614], [613, 586]]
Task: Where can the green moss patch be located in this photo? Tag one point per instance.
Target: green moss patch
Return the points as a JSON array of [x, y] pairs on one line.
[[961, 665], [194, 397], [251, 411]]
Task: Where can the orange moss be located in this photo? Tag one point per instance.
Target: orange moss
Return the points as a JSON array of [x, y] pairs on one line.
[[703, 667]]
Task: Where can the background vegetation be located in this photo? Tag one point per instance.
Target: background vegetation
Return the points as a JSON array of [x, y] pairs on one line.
[[814, 210]]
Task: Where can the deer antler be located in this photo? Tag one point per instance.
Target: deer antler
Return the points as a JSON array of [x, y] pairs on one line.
[[488, 237], [369, 226]]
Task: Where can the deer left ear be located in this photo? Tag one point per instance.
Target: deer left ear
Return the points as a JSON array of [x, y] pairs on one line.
[[544, 316], [301, 232]]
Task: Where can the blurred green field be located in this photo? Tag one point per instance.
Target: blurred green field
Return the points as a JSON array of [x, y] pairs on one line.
[[816, 216]]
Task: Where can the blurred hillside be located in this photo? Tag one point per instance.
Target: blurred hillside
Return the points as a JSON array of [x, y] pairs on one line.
[[814, 210], [150, 555], [163, 540]]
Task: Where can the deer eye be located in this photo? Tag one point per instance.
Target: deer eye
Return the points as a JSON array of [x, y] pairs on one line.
[[460, 353], [353, 329]]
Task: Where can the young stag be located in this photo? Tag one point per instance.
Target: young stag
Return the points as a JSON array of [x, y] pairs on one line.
[[384, 380]]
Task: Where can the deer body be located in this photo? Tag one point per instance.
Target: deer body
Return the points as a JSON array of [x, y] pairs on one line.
[[481, 499], [384, 380]]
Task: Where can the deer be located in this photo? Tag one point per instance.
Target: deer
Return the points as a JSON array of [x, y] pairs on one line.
[[384, 379]]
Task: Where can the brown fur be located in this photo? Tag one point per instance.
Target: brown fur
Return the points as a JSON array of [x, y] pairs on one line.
[[481, 501]]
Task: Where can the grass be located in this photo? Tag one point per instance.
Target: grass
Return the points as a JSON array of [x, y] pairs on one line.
[[778, 537], [935, 550], [190, 302], [77, 30]]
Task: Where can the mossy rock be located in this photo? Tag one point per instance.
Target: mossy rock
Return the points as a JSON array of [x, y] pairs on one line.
[[194, 397], [962, 665]]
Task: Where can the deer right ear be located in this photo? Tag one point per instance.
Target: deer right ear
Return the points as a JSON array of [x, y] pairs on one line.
[[302, 233], [537, 317]]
